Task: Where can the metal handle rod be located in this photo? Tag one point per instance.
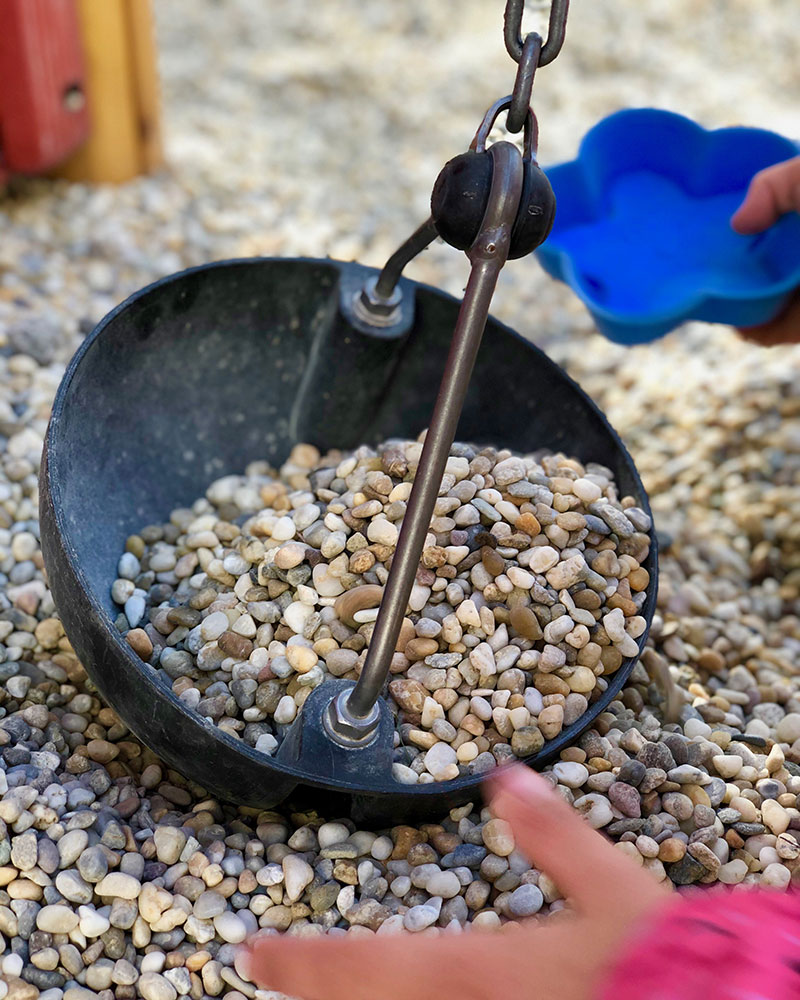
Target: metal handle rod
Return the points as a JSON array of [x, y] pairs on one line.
[[487, 255], [393, 268]]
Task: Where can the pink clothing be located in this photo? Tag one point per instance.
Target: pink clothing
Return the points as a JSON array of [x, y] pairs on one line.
[[715, 944]]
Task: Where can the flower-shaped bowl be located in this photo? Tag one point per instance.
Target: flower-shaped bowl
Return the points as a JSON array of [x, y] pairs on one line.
[[642, 232]]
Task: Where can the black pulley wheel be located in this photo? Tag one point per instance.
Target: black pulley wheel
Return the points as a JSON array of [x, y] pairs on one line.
[[205, 371]]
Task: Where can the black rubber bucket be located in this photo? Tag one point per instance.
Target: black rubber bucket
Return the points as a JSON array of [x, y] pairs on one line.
[[205, 371]]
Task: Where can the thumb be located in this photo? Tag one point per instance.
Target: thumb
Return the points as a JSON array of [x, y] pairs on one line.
[[584, 865], [772, 193]]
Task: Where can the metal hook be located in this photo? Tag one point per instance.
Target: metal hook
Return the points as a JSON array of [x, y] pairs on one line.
[[531, 135]]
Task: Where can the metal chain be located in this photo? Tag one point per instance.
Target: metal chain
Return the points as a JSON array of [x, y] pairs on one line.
[[556, 30], [529, 54], [523, 84]]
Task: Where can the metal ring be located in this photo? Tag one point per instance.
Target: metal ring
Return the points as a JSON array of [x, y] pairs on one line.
[[523, 84], [531, 137], [556, 29]]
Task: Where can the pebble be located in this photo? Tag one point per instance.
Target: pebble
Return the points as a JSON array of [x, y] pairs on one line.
[[56, 919], [230, 927], [169, 842], [775, 816], [119, 885], [596, 809], [297, 874], [154, 986], [445, 884], [419, 917], [498, 837], [571, 774], [440, 760], [525, 901]]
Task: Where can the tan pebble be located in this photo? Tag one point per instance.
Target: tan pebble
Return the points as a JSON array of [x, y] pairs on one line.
[[774, 816], [744, 806], [301, 658], [551, 721], [697, 794], [421, 738], [418, 648], [775, 759], [582, 680], [289, 555], [498, 837], [56, 919], [118, 884], [671, 850], [409, 694], [639, 579], [467, 752], [357, 599], [23, 888], [102, 751], [525, 622], [140, 643], [19, 989], [528, 524]]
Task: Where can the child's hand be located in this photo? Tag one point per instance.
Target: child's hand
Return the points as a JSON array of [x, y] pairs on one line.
[[773, 192], [564, 958]]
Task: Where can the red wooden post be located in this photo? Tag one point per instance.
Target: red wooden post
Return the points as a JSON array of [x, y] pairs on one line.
[[43, 113]]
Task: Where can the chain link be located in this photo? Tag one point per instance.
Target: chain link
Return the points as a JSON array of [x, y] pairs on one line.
[[556, 30], [523, 85]]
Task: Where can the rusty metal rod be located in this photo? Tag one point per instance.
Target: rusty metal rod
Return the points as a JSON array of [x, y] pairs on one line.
[[487, 255]]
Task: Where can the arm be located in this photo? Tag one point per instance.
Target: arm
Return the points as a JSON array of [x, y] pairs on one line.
[[565, 958]]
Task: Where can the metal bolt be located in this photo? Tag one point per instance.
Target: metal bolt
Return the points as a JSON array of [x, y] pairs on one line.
[[346, 728], [374, 309]]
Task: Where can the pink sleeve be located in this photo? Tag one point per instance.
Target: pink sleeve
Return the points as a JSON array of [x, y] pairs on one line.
[[715, 944]]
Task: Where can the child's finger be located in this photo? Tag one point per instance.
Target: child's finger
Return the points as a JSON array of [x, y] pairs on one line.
[[772, 193], [583, 864], [785, 329]]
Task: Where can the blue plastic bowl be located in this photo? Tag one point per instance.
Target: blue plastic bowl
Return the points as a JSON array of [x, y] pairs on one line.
[[642, 232]]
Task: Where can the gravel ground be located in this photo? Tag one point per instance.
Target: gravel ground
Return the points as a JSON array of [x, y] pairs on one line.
[[119, 879]]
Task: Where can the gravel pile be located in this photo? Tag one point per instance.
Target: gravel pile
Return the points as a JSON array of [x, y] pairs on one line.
[[119, 878], [526, 598]]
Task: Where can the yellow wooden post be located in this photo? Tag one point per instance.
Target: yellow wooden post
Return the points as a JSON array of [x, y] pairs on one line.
[[122, 90]]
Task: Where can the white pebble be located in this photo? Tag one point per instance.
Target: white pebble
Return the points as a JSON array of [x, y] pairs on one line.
[[596, 809], [128, 567], [212, 626], [586, 490], [12, 965], [230, 927], [439, 757], [543, 558], [286, 711], [571, 773], [296, 615], [332, 833], [297, 874], [382, 532], [420, 917], [445, 884], [134, 609]]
